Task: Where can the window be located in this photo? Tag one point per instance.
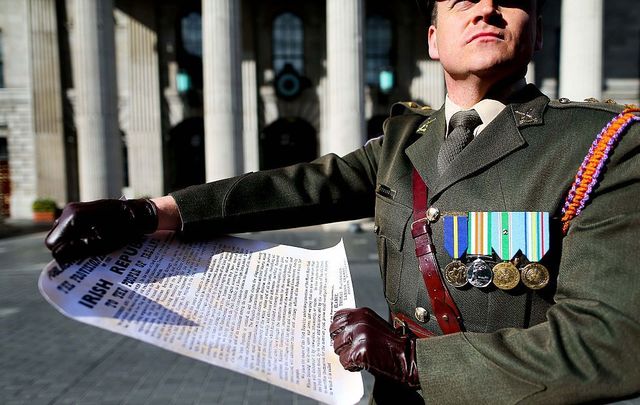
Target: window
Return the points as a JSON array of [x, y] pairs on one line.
[[288, 42], [191, 27], [1, 63], [378, 49]]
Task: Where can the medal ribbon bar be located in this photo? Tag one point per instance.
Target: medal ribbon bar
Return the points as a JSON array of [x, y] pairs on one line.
[[479, 234], [537, 231], [508, 233], [455, 235]]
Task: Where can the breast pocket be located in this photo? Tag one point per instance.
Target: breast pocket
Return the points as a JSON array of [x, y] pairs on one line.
[[391, 221]]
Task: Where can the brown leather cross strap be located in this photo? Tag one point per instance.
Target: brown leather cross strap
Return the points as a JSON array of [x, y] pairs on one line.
[[444, 308]]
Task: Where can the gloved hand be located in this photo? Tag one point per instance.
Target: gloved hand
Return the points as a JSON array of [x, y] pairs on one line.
[[365, 341], [99, 227]]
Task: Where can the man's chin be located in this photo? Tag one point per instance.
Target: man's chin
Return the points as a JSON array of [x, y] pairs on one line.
[[497, 69]]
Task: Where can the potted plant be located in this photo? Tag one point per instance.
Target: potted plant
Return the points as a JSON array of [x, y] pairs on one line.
[[44, 210]]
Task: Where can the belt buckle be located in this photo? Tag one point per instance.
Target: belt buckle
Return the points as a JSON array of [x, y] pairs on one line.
[[399, 324], [425, 228]]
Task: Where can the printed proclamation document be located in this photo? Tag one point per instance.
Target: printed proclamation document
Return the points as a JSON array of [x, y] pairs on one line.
[[257, 308]]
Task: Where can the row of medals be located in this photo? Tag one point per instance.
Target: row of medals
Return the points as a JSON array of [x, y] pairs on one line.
[[504, 275]]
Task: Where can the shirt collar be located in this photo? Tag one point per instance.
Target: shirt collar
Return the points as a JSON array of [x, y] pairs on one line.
[[488, 109]]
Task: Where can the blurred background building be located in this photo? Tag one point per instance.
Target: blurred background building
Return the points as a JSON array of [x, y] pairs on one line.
[[103, 98]]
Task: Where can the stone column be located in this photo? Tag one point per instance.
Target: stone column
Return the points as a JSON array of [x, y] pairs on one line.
[[47, 101], [581, 49], [222, 88], [250, 113], [144, 132], [94, 75], [345, 130], [250, 126]]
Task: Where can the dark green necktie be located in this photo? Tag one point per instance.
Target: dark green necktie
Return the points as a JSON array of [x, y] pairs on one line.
[[461, 126]]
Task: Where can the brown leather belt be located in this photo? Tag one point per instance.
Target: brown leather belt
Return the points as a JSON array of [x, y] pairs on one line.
[[442, 304]]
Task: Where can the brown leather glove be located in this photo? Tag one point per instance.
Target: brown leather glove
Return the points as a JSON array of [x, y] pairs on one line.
[[365, 341], [99, 227]]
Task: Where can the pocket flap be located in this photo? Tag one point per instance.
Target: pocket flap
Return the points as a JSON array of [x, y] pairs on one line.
[[391, 221]]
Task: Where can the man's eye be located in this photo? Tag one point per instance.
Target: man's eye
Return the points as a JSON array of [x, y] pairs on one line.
[[462, 4]]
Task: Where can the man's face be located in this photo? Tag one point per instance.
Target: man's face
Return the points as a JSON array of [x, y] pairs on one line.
[[492, 39]]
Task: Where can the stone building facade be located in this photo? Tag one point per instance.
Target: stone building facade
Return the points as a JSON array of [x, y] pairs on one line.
[[103, 98]]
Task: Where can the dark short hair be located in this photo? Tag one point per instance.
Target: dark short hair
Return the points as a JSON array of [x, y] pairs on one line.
[[429, 11]]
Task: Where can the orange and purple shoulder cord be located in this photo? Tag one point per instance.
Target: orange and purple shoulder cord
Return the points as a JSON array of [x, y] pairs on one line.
[[589, 173]]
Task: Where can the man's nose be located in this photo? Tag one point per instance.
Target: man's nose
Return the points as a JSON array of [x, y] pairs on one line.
[[487, 10]]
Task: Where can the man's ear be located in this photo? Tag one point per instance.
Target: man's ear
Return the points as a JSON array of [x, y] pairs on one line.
[[539, 30], [432, 40]]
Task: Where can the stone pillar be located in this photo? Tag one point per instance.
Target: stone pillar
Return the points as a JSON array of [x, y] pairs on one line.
[[345, 130], [250, 114], [47, 101], [144, 130], [581, 49], [94, 75], [222, 88], [250, 127]]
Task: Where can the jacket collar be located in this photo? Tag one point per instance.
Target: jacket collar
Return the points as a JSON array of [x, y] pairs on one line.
[[499, 139]]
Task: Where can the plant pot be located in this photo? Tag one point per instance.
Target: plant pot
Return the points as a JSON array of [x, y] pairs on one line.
[[44, 216]]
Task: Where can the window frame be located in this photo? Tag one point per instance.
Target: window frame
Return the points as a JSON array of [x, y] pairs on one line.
[[293, 52], [379, 56]]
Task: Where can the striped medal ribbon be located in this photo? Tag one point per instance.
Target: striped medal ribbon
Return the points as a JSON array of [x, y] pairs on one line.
[[455, 243], [537, 235], [479, 273], [534, 275], [508, 236], [455, 235], [508, 233], [479, 234]]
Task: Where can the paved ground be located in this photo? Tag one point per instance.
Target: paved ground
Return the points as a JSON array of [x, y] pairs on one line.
[[49, 359]]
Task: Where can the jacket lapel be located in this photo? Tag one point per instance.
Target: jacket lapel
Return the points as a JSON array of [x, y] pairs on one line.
[[499, 139], [423, 153]]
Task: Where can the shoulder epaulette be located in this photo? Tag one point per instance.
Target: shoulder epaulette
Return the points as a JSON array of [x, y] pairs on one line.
[[608, 105], [410, 107]]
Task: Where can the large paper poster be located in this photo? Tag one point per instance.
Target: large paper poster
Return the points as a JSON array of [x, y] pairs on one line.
[[253, 307]]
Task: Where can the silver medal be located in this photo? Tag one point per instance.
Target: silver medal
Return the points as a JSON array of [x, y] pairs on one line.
[[479, 274]]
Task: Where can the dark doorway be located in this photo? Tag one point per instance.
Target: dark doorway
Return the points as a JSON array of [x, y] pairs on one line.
[[287, 141], [185, 152], [5, 180]]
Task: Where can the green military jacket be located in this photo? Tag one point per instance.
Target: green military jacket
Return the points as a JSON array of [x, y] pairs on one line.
[[576, 340]]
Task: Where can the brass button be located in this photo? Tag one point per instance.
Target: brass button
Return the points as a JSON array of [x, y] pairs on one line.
[[422, 315], [433, 214], [564, 100]]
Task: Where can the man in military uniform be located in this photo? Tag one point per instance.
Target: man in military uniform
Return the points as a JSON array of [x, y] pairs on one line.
[[497, 146]]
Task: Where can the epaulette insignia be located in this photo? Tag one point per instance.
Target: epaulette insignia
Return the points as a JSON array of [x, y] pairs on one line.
[[423, 127], [402, 107], [527, 117]]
